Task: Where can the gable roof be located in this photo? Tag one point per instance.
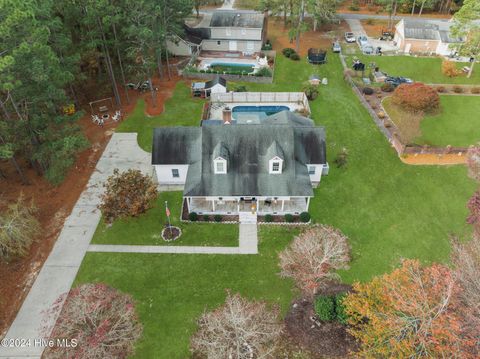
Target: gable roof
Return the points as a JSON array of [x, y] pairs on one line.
[[237, 18], [175, 145], [217, 80], [428, 30], [248, 149], [287, 118]]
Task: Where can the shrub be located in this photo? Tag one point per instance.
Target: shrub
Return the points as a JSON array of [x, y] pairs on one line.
[[268, 218], [217, 218], [311, 91], [288, 51], [355, 6], [18, 227], [193, 216], [387, 87], [450, 69], [305, 217], [102, 319], [457, 89], [416, 97], [127, 194], [381, 115], [206, 218], [288, 218], [325, 308], [440, 89], [241, 88], [475, 90], [368, 91], [341, 315], [342, 158], [264, 72], [295, 57]]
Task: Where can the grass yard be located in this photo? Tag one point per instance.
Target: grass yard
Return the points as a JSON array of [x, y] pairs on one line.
[[180, 110], [173, 290], [423, 69], [389, 210], [146, 229], [456, 124]]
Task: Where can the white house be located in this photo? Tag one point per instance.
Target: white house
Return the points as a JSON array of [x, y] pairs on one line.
[[428, 37], [267, 168]]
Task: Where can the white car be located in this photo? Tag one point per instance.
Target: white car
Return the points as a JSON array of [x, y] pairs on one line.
[[362, 41], [349, 37], [336, 47]]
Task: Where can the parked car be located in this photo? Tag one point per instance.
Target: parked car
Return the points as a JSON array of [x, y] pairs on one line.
[[140, 86], [362, 41], [397, 81], [349, 37], [336, 47], [367, 49]]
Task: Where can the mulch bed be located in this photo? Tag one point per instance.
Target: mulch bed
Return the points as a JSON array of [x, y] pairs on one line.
[[280, 219], [330, 339], [171, 233], [207, 218]]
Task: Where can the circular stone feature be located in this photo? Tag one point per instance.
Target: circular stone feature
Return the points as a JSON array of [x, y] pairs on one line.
[[171, 233]]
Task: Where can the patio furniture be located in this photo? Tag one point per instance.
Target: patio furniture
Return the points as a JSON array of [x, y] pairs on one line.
[[117, 116], [105, 116]]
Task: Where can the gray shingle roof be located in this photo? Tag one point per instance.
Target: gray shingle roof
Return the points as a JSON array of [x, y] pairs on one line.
[[248, 149], [421, 30], [237, 18]]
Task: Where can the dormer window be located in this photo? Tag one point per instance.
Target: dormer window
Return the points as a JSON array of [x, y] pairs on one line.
[[276, 165], [220, 165]]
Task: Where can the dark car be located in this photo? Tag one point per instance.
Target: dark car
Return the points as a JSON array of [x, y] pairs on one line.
[[397, 81], [317, 56]]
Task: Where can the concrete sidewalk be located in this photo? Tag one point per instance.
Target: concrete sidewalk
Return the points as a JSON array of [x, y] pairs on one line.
[[61, 267], [248, 244]]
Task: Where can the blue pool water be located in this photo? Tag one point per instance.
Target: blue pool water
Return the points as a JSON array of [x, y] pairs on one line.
[[255, 113], [231, 64]]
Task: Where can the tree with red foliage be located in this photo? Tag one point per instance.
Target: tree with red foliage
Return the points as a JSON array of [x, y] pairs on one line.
[[474, 216], [101, 319], [313, 256], [473, 162], [412, 312], [416, 97]]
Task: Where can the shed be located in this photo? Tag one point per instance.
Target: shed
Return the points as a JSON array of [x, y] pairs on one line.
[[204, 89]]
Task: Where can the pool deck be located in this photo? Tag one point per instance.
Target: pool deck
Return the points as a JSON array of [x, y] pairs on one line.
[[216, 109], [206, 62]]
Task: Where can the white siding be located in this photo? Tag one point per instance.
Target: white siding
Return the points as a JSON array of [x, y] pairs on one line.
[[317, 176], [179, 49], [164, 174], [236, 33], [218, 88], [243, 46]]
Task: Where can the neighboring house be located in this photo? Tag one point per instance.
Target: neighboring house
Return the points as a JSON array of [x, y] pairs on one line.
[[182, 47], [425, 37], [205, 89], [226, 169], [231, 30]]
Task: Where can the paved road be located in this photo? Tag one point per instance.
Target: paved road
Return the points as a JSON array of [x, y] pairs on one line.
[[61, 267]]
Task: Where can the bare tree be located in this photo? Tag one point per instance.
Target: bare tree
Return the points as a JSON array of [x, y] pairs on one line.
[[473, 162], [101, 319], [466, 258], [313, 255], [18, 227], [239, 329]]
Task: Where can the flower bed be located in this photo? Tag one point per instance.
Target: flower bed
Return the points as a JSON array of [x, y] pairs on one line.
[[171, 233]]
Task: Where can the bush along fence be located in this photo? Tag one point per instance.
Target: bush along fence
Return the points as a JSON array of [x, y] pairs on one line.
[[388, 128]]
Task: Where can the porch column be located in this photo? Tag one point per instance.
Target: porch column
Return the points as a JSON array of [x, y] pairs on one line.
[[213, 205], [308, 204], [258, 205], [238, 205], [283, 204], [188, 204]]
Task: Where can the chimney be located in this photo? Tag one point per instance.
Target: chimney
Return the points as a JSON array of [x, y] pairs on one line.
[[227, 116]]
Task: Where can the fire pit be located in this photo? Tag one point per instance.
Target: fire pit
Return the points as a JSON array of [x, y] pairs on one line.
[[171, 233]]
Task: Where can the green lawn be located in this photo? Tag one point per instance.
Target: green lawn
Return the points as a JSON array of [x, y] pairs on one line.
[[172, 290], [423, 69], [146, 228], [457, 124], [180, 110], [388, 209]]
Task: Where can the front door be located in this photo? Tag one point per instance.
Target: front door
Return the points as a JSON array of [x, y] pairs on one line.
[[232, 46]]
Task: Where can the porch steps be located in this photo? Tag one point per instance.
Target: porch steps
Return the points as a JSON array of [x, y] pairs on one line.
[[247, 217]]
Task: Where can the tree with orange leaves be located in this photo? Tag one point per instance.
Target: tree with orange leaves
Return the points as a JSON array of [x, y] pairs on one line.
[[412, 312]]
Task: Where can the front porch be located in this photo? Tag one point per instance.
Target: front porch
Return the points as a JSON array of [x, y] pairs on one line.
[[260, 205]]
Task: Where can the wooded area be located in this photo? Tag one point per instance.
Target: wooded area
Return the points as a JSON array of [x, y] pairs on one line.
[[52, 53]]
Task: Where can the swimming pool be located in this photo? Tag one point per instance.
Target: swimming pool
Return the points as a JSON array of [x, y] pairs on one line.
[[231, 67], [256, 112]]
